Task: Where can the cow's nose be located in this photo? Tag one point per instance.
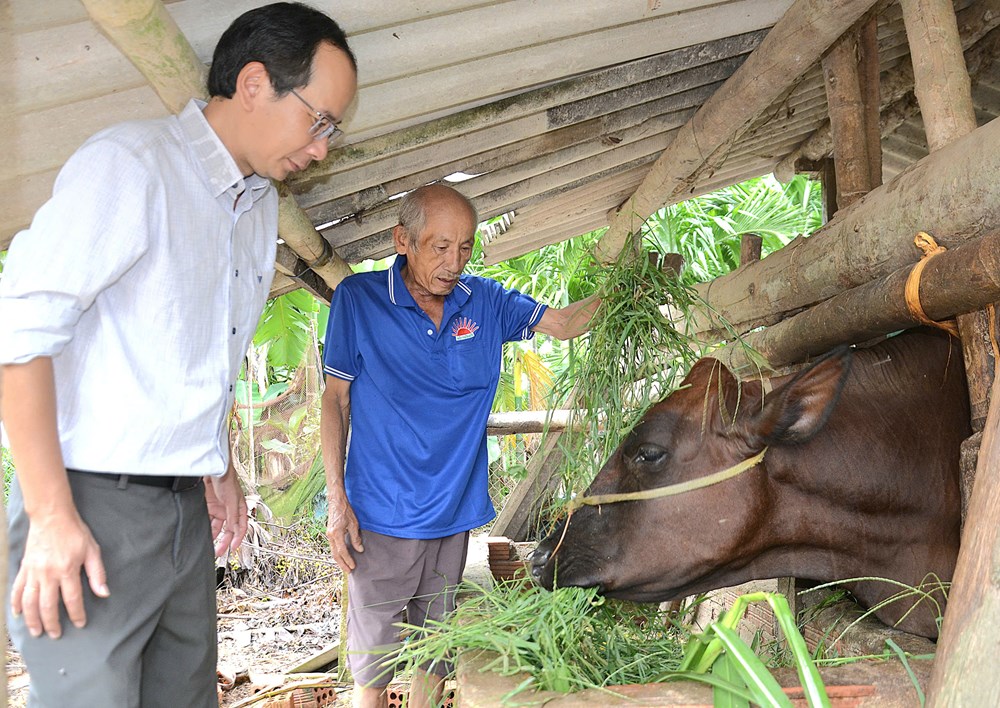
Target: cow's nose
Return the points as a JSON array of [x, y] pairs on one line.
[[538, 561]]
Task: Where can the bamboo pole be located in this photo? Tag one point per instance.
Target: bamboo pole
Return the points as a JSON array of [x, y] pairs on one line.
[[792, 46], [960, 280], [517, 422], [147, 34]]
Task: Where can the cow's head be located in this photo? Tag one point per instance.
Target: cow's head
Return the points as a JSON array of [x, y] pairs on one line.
[[670, 547]]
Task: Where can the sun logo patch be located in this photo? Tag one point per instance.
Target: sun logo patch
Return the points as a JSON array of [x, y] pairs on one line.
[[463, 328]]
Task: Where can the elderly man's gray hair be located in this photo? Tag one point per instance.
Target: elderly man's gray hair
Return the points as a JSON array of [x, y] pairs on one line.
[[412, 208]]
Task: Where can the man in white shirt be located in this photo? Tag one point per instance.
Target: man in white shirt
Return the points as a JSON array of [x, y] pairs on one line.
[[125, 311]]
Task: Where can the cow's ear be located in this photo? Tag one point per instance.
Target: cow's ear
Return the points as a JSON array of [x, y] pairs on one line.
[[795, 412]]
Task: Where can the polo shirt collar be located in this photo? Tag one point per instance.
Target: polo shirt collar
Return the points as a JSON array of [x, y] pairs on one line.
[[399, 295], [218, 167]]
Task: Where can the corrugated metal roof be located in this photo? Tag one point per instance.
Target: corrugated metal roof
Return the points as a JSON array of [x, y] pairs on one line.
[[556, 108]]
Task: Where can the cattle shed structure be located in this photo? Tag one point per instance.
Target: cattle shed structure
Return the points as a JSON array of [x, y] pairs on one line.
[[567, 116]]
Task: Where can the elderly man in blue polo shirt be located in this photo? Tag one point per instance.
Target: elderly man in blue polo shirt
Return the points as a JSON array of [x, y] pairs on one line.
[[412, 361]]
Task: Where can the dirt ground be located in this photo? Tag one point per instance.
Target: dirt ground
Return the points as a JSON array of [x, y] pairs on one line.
[[271, 619]]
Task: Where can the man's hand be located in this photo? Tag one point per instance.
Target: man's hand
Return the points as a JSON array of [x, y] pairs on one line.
[[227, 508], [341, 524], [55, 550]]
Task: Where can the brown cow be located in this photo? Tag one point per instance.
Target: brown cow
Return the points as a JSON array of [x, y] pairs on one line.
[[860, 478]]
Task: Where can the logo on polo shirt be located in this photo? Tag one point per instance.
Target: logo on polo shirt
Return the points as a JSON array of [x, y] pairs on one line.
[[463, 328]]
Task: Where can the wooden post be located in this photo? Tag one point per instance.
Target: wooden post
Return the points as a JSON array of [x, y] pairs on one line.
[[941, 79], [967, 660], [851, 73], [750, 248], [828, 180], [943, 90], [967, 665]]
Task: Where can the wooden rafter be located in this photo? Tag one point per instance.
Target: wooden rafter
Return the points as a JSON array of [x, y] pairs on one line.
[[592, 122]]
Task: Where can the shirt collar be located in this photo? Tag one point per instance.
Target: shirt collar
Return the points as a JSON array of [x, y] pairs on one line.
[[218, 166], [399, 295]]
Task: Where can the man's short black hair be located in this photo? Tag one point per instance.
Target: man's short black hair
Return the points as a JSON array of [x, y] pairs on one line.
[[283, 37]]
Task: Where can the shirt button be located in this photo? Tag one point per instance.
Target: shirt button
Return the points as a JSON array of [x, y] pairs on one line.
[[430, 332], [234, 330], [230, 388], [237, 274]]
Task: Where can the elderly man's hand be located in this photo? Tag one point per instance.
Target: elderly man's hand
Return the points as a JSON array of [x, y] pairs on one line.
[[341, 527]]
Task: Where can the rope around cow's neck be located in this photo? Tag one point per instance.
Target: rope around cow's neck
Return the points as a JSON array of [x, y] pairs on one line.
[[657, 492]]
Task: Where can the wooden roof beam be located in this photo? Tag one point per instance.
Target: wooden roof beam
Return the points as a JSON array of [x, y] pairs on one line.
[[792, 46], [146, 33], [499, 146]]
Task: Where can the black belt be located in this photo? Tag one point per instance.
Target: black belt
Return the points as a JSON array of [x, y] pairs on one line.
[[176, 484]]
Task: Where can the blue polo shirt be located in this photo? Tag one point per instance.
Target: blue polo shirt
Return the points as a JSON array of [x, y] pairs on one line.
[[420, 397]]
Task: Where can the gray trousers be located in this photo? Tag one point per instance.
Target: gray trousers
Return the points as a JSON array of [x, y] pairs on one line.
[[393, 576], [153, 642]]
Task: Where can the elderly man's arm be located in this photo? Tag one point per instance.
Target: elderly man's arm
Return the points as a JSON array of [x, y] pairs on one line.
[[570, 321], [341, 523]]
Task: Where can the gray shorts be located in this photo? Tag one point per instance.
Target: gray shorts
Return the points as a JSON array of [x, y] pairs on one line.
[[153, 642], [393, 576]]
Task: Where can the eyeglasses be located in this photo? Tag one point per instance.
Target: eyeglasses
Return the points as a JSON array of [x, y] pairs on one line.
[[325, 127]]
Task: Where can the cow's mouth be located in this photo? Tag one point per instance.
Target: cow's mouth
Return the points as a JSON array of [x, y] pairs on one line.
[[563, 572]]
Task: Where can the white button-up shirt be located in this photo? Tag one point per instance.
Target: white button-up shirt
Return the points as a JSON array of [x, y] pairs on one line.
[[143, 278]]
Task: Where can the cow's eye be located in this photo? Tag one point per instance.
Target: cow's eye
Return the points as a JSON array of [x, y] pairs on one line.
[[650, 454]]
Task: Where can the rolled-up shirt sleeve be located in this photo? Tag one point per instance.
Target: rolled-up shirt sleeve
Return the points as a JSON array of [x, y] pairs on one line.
[[92, 230]]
